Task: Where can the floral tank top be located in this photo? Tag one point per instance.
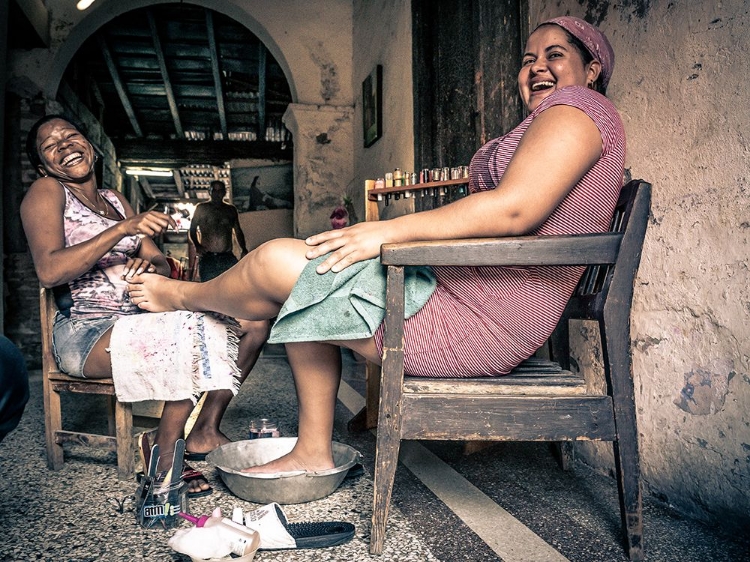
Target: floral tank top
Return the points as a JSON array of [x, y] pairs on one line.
[[100, 291]]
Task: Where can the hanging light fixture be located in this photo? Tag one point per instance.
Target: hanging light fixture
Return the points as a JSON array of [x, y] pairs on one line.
[[148, 172], [83, 4]]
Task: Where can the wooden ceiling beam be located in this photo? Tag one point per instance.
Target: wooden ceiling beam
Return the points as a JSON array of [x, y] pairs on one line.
[[119, 86], [261, 91], [178, 182], [216, 72], [178, 153], [146, 186], [183, 90], [165, 75]]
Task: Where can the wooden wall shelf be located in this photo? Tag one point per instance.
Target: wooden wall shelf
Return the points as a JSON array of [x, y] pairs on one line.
[[406, 190]]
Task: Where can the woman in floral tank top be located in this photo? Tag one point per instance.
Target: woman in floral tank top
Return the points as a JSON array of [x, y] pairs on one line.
[[86, 243]]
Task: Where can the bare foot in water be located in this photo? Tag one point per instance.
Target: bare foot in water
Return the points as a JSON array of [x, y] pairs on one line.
[[156, 293], [291, 463]]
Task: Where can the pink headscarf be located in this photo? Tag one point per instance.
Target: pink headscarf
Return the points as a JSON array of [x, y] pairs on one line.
[[594, 40]]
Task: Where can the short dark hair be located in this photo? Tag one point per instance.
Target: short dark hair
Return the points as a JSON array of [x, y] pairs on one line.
[[31, 149]]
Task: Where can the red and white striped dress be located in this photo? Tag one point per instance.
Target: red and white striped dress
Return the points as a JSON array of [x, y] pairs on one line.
[[483, 321]]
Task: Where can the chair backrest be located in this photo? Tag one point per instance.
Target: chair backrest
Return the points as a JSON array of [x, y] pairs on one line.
[[629, 219], [608, 289], [47, 310]]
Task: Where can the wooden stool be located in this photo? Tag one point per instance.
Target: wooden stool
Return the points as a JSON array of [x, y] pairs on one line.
[[119, 414]]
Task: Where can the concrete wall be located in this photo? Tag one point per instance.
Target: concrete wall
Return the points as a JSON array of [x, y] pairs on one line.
[[678, 85], [262, 226], [382, 34]]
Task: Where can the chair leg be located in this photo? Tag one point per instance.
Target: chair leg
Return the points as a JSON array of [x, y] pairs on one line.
[[124, 431], [111, 422], [564, 453], [389, 412], [52, 424], [386, 461], [627, 460], [629, 486]]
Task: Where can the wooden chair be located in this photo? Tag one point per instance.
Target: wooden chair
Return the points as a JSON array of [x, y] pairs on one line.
[[119, 414], [525, 406]]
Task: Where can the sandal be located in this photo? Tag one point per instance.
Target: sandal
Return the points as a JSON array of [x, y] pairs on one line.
[[195, 456], [276, 533], [189, 474]]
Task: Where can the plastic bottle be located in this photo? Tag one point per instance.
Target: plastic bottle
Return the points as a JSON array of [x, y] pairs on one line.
[[242, 540]]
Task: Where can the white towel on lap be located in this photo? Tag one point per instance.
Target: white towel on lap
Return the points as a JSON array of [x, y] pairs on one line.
[[173, 355]]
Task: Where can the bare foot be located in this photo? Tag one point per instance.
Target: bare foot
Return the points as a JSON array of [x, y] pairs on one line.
[[156, 293], [291, 462], [201, 442]]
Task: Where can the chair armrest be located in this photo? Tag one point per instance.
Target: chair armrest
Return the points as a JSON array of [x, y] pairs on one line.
[[579, 249]]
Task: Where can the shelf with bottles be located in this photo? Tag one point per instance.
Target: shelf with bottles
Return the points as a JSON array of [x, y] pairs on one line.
[[430, 188]]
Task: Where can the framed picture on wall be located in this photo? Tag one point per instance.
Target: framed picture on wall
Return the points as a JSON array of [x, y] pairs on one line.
[[372, 106]]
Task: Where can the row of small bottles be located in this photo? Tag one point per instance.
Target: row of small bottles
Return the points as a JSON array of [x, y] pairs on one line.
[[398, 178], [429, 195]]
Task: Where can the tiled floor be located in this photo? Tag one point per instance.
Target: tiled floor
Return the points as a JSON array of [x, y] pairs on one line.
[[509, 502]]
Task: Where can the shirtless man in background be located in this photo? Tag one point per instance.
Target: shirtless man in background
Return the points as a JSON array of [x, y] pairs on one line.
[[211, 233]]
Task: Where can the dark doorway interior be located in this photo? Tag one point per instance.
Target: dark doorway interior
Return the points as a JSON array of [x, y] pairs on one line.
[[466, 57]]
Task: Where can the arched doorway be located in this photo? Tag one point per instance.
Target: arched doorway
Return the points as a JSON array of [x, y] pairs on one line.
[[304, 39], [190, 93]]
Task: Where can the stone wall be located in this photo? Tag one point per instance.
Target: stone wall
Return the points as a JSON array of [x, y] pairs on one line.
[[22, 307], [21, 290]]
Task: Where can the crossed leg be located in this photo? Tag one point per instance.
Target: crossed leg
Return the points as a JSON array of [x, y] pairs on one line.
[[254, 289]]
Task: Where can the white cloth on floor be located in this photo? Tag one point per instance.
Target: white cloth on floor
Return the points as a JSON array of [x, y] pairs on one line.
[[173, 355]]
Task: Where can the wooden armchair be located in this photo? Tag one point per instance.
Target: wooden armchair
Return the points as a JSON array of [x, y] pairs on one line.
[[119, 414], [525, 405]]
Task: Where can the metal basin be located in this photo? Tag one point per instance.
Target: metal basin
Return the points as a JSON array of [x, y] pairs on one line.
[[282, 487]]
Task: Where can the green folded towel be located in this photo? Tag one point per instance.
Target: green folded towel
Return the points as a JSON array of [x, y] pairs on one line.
[[347, 305]]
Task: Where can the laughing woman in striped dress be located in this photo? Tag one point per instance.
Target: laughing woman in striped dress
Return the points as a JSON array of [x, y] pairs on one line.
[[558, 172]]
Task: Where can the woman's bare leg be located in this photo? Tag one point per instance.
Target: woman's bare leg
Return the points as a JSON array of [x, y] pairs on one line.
[[173, 418], [171, 428], [205, 435], [366, 348], [254, 289], [98, 364], [317, 372]]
